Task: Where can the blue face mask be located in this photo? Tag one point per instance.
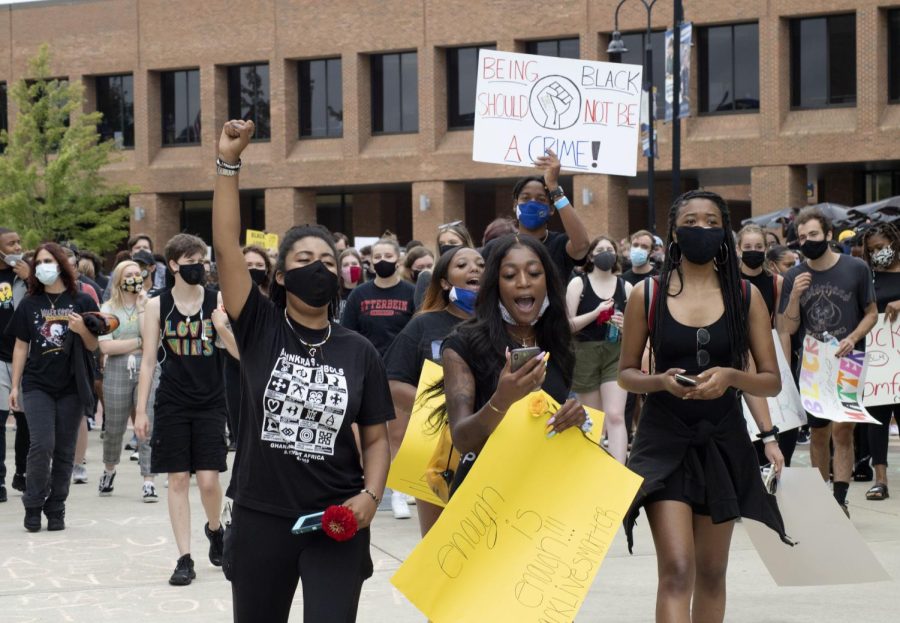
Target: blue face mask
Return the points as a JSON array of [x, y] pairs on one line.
[[638, 256], [464, 299], [533, 214]]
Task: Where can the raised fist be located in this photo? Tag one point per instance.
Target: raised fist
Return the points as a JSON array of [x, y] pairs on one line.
[[234, 138]]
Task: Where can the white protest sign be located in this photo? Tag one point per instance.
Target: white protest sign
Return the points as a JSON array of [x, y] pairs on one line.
[[830, 387], [786, 409], [882, 375], [587, 112]]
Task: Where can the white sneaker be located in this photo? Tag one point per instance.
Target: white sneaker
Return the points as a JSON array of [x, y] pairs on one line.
[[149, 493], [410, 500], [79, 475], [135, 456], [399, 505]]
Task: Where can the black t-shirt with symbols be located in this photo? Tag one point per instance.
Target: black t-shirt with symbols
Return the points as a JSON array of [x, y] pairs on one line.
[[7, 307], [296, 450], [421, 339], [42, 320]]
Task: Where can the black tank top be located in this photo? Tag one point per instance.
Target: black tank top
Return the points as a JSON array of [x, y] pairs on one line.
[[679, 350], [589, 302], [765, 283], [191, 365]]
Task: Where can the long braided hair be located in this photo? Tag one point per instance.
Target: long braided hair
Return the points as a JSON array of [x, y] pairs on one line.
[[727, 270]]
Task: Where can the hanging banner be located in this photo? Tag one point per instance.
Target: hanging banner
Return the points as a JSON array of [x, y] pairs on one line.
[[587, 112], [882, 376], [785, 409], [830, 387], [646, 102], [686, 40], [517, 543]]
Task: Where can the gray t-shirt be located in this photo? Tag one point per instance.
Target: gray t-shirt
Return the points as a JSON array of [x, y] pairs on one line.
[[836, 299]]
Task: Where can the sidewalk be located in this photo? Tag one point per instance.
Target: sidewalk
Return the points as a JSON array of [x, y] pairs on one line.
[[113, 561]]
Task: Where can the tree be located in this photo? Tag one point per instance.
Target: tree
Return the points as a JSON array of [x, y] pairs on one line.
[[51, 187]]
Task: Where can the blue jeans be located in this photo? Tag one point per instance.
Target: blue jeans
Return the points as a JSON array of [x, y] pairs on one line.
[[53, 424]]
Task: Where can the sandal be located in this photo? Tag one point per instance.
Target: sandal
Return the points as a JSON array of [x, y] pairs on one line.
[[878, 492]]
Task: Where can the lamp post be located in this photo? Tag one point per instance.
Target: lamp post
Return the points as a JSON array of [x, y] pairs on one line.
[[676, 101], [617, 47]]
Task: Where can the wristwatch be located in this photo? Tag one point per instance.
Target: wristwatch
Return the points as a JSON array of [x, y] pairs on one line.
[[556, 193]]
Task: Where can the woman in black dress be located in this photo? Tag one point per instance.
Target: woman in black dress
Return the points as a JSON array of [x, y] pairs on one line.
[[699, 468]]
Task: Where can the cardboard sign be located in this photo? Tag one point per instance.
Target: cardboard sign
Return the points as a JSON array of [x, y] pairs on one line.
[[271, 242], [882, 372], [830, 387], [829, 550], [587, 112], [518, 542], [786, 409], [254, 237]]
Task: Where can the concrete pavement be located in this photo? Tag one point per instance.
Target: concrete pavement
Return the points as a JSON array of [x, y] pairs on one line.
[[113, 561]]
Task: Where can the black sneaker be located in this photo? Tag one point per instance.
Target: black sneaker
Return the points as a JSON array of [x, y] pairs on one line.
[[105, 488], [216, 546], [56, 521], [18, 482], [3, 497], [184, 572], [33, 519]]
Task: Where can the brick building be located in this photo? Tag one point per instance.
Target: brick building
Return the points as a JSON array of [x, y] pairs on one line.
[[367, 104]]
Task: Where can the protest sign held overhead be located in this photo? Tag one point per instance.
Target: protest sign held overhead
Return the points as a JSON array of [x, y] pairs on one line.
[[882, 378], [587, 112]]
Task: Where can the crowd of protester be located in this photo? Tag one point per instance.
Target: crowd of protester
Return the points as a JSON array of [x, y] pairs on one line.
[[305, 362]]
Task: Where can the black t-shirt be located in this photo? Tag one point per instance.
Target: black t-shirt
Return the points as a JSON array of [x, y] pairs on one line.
[[887, 289], [7, 307], [634, 278], [379, 314], [42, 320], [556, 246], [420, 340], [296, 450]]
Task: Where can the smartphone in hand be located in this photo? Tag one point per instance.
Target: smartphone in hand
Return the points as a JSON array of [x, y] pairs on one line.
[[519, 356], [308, 523], [685, 381]]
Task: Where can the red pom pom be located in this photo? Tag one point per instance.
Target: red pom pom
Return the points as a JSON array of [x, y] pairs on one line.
[[339, 523]]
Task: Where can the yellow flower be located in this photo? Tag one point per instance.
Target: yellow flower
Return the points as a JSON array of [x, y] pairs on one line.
[[537, 405]]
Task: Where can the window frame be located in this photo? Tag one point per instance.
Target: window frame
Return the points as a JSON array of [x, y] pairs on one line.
[[97, 80], [373, 92], [661, 91], [451, 127], [702, 72], [162, 97], [529, 45], [794, 23], [236, 69], [893, 65], [300, 97]]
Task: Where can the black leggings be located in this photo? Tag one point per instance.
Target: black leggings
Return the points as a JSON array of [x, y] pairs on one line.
[[264, 561], [879, 436]]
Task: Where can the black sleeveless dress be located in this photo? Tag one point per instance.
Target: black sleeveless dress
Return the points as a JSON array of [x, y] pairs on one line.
[[698, 451]]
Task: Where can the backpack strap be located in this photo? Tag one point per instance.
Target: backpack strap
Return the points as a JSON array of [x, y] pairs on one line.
[[651, 292]]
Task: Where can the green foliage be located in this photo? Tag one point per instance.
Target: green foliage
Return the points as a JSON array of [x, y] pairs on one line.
[[51, 187]]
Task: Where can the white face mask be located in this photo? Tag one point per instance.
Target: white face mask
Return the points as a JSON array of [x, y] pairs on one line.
[[508, 319], [47, 274], [883, 258]]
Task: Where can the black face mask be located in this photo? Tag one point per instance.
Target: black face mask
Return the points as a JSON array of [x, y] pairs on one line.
[[313, 284], [258, 275], [605, 260], [753, 259], [385, 269], [415, 275], [700, 245], [814, 249], [192, 274], [443, 248]]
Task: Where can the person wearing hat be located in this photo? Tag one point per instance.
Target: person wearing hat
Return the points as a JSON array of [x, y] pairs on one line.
[[147, 263]]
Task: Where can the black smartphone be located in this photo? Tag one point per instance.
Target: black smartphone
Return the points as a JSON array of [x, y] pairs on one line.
[[519, 356], [685, 380], [308, 523]]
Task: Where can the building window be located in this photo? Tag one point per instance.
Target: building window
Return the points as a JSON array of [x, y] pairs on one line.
[[248, 97], [115, 99], [894, 55], [180, 107], [4, 125], [729, 68], [562, 48], [462, 77], [321, 98], [335, 212], [882, 185], [634, 42], [395, 96], [823, 61]]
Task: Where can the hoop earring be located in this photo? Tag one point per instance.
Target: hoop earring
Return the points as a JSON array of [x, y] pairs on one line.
[[673, 251], [722, 256]]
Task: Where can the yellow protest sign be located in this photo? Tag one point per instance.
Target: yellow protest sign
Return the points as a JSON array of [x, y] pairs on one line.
[[254, 237], [271, 242], [523, 537], [408, 467]]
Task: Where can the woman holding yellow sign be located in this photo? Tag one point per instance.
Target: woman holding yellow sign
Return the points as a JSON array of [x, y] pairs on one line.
[[699, 468]]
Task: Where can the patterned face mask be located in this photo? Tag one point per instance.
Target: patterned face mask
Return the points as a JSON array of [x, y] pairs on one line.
[[132, 284], [883, 258]]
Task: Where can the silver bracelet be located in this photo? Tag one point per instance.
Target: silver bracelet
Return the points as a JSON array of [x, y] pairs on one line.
[[228, 170]]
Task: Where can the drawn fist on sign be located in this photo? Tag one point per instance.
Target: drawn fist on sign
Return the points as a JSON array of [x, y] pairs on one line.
[[555, 100]]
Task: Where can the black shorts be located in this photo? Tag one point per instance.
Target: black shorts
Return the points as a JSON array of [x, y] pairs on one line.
[[188, 441], [817, 422], [673, 490]]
